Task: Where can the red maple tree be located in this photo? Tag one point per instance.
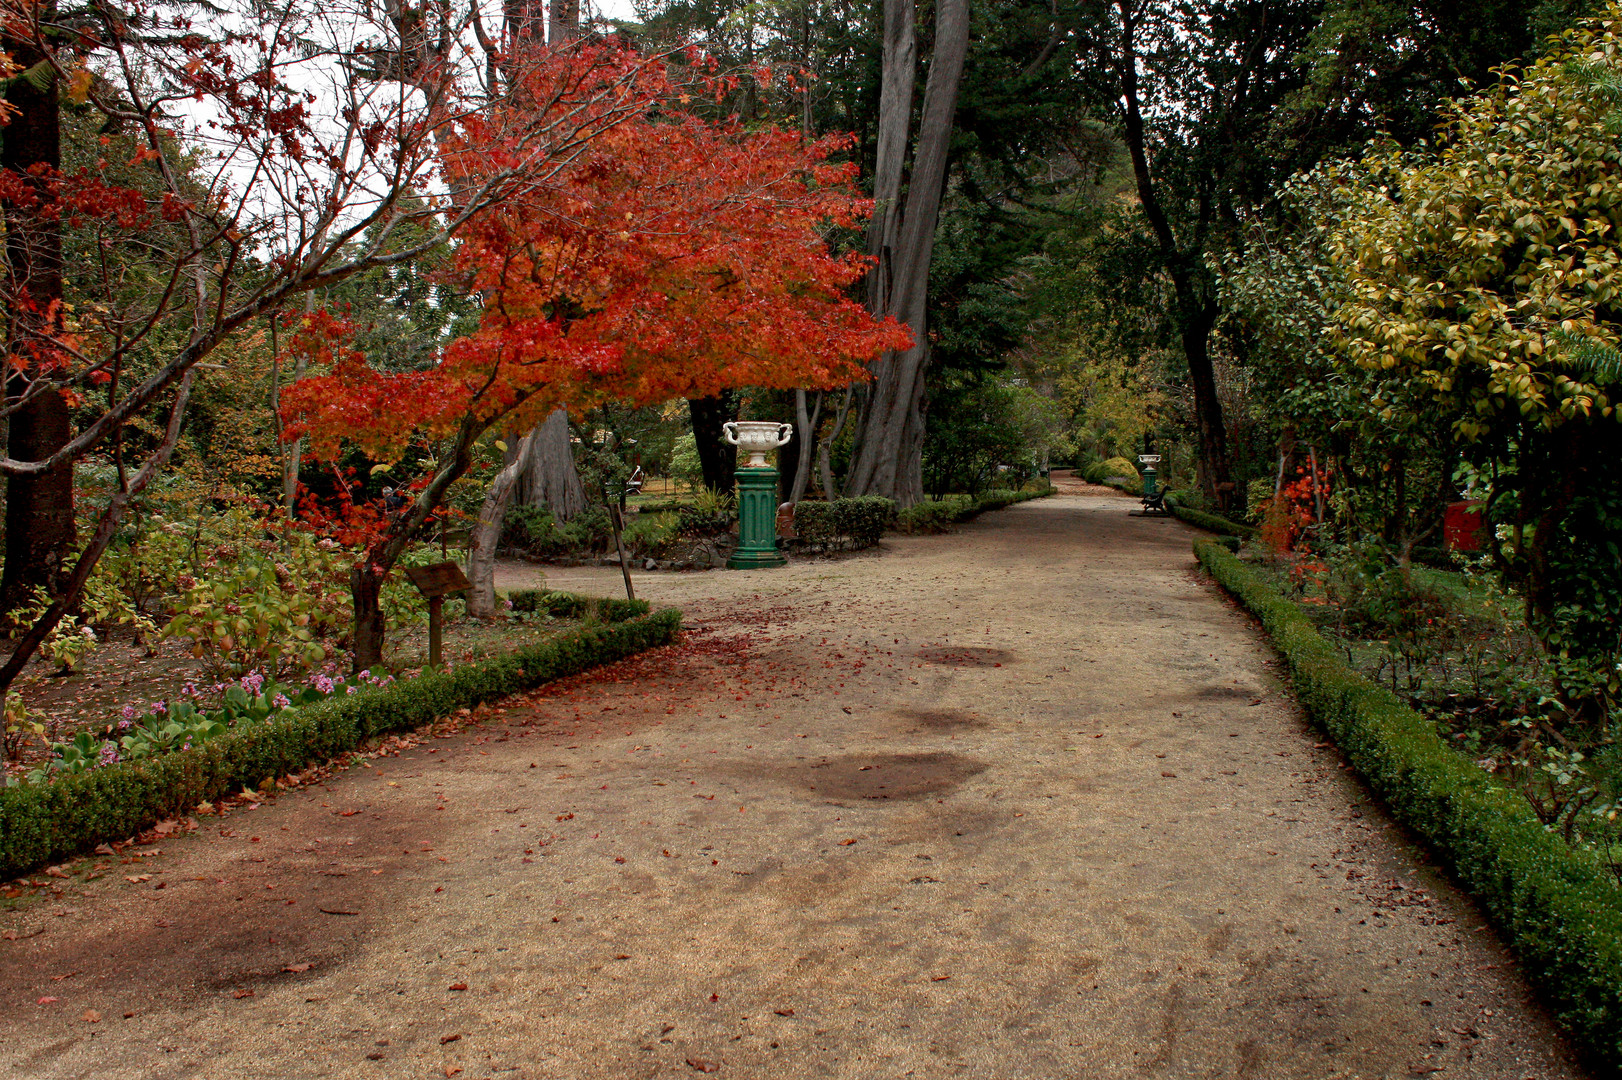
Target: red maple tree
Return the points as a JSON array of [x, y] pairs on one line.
[[669, 256]]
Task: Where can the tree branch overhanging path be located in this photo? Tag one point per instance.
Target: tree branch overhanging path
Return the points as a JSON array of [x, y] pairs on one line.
[[1017, 851]]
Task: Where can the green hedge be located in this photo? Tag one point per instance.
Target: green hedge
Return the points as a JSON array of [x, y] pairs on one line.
[[43, 823], [1559, 910], [563, 605], [1210, 522], [936, 514], [855, 523]]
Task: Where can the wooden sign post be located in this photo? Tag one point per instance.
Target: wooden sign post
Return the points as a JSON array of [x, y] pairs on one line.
[[437, 582]]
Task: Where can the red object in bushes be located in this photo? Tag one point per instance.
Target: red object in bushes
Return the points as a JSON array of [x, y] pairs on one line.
[[1462, 528]]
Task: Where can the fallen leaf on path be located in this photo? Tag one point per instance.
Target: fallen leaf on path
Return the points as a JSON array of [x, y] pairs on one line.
[[703, 1066], [47, 1000], [784, 1012], [298, 969], [1169, 775], [846, 843], [91, 1016], [56, 871], [452, 1070], [457, 986], [939, 978], [139, 879], [338, 911], [9, 935], [240, 994], [105, 849], [443, 1039]]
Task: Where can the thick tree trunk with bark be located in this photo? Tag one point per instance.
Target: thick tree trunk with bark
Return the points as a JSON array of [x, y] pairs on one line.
[[39, 507], [900, 60], [717, 458], [563, 21], [547, 476], [486, 534], [890, 435]]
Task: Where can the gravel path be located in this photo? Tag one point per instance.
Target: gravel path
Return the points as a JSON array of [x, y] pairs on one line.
[[1024, 801]]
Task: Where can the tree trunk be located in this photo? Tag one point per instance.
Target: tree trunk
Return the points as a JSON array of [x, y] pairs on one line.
[[367, 576], [788, 461], [1196, 311], [486, 534], [805, 433], [366, 594], [563, 21], [895, 121], [548, 476], [39, 507], [890, 438], [717, 458]]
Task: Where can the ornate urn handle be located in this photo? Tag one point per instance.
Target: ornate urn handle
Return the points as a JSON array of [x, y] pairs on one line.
[[785, 432], [729, 431]]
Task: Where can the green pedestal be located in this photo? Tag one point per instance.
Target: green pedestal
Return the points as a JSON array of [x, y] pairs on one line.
[[757, 521]]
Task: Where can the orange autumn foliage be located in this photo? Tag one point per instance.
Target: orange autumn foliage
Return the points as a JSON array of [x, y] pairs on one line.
[[668, 256]]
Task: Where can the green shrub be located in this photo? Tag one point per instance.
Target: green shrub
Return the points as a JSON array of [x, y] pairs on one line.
[[934, 515], [42, 823], [563, 605], [534, 530], [1200, 519], [1554, 904], [1119, 466], [852, 523], [1258, 493]]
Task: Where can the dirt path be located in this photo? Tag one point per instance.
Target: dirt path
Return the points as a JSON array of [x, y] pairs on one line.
[[1020, 802]]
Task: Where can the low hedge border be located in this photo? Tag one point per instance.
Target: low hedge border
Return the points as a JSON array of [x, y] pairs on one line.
[[44, 823], [1210, 522], [1557, 909], [939, 514], [855, 523]]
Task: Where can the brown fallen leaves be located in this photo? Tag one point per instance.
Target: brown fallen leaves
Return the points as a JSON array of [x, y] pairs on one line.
[[703, 1066], [91, 1016]]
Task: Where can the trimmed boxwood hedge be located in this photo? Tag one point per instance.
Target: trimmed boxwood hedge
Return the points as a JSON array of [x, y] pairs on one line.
[[1209, 522], [563, 605], [937, 514], [1557, 908], [855, 523], [43, 823]]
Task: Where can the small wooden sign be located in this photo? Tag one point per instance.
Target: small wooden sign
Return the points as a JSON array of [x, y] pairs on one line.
[[439, 579]]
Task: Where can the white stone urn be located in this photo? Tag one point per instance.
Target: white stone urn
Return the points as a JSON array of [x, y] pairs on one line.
[[755, 437]]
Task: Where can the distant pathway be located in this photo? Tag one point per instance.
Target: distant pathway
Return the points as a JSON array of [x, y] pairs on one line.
[[1023, 801]]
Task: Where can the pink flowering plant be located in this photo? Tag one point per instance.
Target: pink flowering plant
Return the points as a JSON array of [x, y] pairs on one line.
[[170, 726]]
